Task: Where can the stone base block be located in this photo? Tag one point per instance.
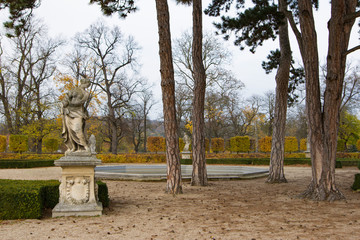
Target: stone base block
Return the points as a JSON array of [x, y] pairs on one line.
[[66, 210], [78, 190], [186, 155]]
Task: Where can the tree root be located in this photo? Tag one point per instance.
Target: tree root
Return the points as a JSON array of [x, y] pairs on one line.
[[319, 193], [272, 180]]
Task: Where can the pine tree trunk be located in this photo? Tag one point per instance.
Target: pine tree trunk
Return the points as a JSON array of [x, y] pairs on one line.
[[339, 34], [313, 104], [276, 170], [199, 174], [173, 184], [323, 128]]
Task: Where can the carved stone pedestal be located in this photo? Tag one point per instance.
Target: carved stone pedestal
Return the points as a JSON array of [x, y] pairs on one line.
[[78, 190], [186, 155]]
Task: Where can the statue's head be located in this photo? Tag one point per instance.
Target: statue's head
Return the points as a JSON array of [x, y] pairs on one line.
[[85, 82]]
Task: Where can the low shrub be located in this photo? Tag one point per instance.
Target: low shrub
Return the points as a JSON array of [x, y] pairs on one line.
[[181, 144], [356, 184], [132, 158], [103, 193], [156, 144], [341, 145], [239, 155], [22, 199], [50, 145], [295, 155], [20, 163], [338, 164], [250, 161], [348, 161], [29, 156], [303, 144], [265, 144], [217, 144], [291, 144], [18, 143], [240, 144], [207, 145], [2, 143], [348, 155]]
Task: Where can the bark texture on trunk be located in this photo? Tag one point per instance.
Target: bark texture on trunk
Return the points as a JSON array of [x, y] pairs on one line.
[[276, 170], [199, 174], [173, 183], [323, 127]]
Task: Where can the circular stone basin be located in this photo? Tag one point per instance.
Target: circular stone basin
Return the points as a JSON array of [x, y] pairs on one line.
[[158, 172]]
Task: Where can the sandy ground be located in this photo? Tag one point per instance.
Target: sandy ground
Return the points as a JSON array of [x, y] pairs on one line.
[[248, 209]]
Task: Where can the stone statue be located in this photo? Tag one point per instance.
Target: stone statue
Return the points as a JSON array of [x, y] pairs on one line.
[[187, 143], [92, 143], [74, 115]]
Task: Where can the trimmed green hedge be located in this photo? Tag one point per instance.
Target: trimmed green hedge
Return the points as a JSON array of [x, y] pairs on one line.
[[356, 184], [25, 199], [18, 143], [103, 193], [21, 199], [21, 163]]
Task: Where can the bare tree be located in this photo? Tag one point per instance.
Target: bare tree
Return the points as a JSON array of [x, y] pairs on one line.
[[139, 113], [146, 104], [268, 108], [26, 70], [113, 54], [183, 106], [242, 118]]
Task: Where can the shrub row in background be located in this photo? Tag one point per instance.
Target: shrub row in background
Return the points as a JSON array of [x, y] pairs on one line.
[[266, 161], [29, 156], [21, 163], [45, 160], [132, 158], [240, 144], [50, 145], [18, 143], [22, 199], [156, 144], [26, 199], [2, 143], [217, 144]]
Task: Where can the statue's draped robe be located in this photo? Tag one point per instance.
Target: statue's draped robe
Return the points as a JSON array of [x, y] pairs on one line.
[[74, 116]]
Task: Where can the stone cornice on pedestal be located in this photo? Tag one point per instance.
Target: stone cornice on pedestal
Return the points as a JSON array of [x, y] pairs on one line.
[[78, 159]]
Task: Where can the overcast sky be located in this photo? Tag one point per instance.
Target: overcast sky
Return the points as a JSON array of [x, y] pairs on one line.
[[67, 17]]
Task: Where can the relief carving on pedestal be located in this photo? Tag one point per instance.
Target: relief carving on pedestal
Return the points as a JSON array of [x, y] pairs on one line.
[[77, 190]]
